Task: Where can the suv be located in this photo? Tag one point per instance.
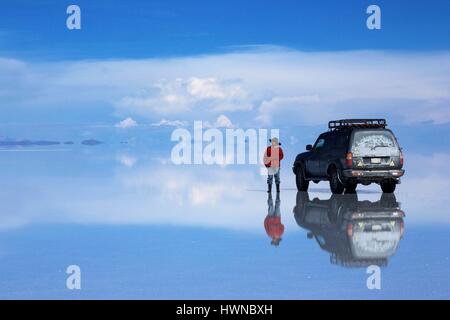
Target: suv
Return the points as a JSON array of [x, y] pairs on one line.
[[352, 151]]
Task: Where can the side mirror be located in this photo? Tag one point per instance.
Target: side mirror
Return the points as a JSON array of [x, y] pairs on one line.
[[308, 147]]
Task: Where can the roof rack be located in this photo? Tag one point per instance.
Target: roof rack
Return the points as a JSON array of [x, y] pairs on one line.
[[356, 123]]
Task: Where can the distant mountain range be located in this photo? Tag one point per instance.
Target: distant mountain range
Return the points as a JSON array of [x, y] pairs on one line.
[[26, 143]]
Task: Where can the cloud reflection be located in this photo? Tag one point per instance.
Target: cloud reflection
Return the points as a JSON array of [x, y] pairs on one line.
[[104, 188]]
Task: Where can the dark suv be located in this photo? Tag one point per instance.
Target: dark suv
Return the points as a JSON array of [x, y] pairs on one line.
[[352, 151]]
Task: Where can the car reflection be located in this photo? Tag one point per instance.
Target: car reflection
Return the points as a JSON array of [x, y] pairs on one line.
[[356, 233]]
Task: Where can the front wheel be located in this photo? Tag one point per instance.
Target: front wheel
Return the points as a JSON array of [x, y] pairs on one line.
[[302, 183], [336, 186], [388, 186]]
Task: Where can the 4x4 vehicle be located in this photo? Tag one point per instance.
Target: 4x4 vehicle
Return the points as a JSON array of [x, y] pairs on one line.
[[352, 151]]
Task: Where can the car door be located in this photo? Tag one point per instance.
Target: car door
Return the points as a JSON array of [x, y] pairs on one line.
[[327, 154], [313, 162]]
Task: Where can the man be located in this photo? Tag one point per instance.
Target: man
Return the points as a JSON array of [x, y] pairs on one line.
[[272, 160]]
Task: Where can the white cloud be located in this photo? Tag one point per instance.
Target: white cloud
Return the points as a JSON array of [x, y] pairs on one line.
[[273, 86], [206, 194], [184, 187], [207, 88], [127, 161], [223, 121], [126, 123], [185, 95], [170, 123], [303, 105]]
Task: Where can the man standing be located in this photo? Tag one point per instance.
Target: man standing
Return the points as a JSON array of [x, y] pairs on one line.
[[272, 160]]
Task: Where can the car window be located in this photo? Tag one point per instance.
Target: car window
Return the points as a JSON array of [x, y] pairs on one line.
[[319, 144], [380, 143], [330, 142]]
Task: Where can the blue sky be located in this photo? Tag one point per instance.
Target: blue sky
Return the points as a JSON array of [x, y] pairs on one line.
[[35, 30], [256, 63]]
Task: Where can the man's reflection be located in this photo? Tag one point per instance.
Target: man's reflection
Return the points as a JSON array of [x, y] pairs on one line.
[[356, 233], [272, 223]]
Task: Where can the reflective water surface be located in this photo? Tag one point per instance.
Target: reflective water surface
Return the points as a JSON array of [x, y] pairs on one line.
[[141, 227]]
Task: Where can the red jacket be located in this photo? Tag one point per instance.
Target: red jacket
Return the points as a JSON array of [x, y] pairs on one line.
[[274, 227], [273, 163]]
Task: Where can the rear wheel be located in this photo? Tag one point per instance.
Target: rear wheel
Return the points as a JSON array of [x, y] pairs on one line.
[[388, 186], [302, 183], [336, 185]]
